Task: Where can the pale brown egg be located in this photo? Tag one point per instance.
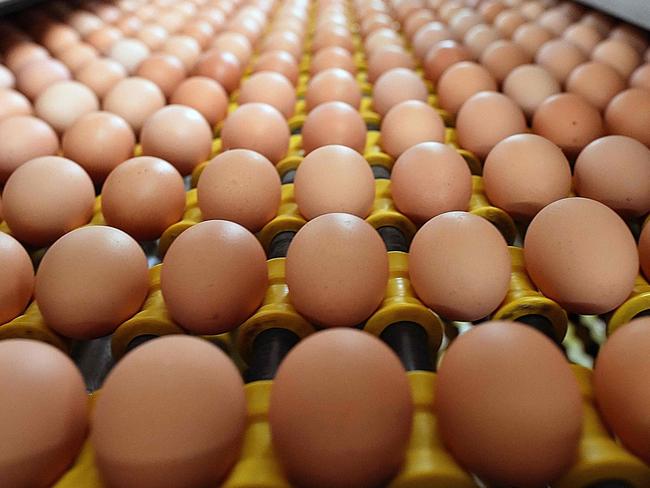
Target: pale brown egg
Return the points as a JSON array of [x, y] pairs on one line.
[[628, 114], [395, 86], [57, 37], [479, 37], [45, 198], [569, 121], [100, 75], [143, 196], [19, 55], [7, 78], [386, 58], [164, 70], [441, 56], [333, 85], [506, 22], [615, 170], [204, 95], [214, 277], [582, 255], [198, 398], [201, 30], [184, 48], [640, 78], [36, 76], [103, 38], [460, 81], [529, 85], [631, 35], [332, 36], [332, 57], [463, 21], [515, 424], [582, 81], [90, 281], [559, 57], [524, 173], [409, 123], [600, 21], [531, 10], [489, 9], [487, 118], [279, 62], [241, 186], [427, 36], [153, 35], [17, 283], [414, 21], [134, 99], [583, 36], [530, 37], [337, 258], [44, 418], [221, 66], [13, 103], [644, 250], [501, 57], [130, 24], [368, 382], [64, 102], [22, 138], [77, 55], [429, 179], [235, 43], [617, 54], [129, 53], [334, 123], [555, 21], [270, 88], [258, 127], [283, 41]]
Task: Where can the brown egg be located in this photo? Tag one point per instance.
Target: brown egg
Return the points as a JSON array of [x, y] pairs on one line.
[[559, 57], [479, 37], [131, 24], [506, 22], [64, 102], [7, 79], [644, 250], [44, 415], [100, 75], [58, 36], [221, 66], [19, 55], [164, 70], [103, 38], [234, 43], [77, 55], [258, 127], [143, 196], [36, 76], [153, 35], [129, 53], [279, 62], [583, 36], [90, 281], [22, 138], [204, 95], [463, 21], [17, 283], [214, 277], [479, 280], [628, 114], [386, 58], [414, 21], [134, 99], [524, 173], [382, 38], [99, 141], [555, 21], [13, 103], [184, 48], [640, 78], [332, 57], [333, 85], [631, 35], [241, 186], [581, 82], [530, 37], [620, 385], [270, 88], [582, 255], [443, 55], [568, 121], [615, 170], [532, 9], [460, 81], [529, 85], [334, 123], [617, 54], [337, 258], [429, 35], [201, 30], [198, 398], [489, 9], [516, 423], [395, 86], [600, 21], [501, 57], [368, 382], [283, 41], [486, 119], [409, 123]]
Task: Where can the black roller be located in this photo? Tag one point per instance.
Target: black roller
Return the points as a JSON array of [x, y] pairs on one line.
[[269, 349], [380, 172], [540, 323], [139, 340], [288, 177], [394, 239], [410, 342], [94, 359], [610, 484], [280, 244], [644, 313]]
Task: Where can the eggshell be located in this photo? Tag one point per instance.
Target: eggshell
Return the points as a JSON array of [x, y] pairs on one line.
[[184, 48], [395, 86], [332, 57], [337, 259], [615, 170], [479, 37], [506, 22], [617, 54], [368, 382], [153, 35], [644, 250], [164, 70], [64, 102], [583, 36], [501, 57], [201, 30], [568, 121], [241, 186], [640, 78], [460, 81], [175, 387], [284, 41], [386, 58], [441, 56], [57, 37], [332, 37], [100, 75], [515, 423], [7, 78], [529, 85], [13, 103], [559, 57], [628, 114], [487, 118], [43, 419], [98, 142], [427, 36], [134, 99], [270, 88], [103, 38], [17, 282], [36, 76], [416, 20], [531, 37], [409, 123], [279, 62], [258, 127], [204, 95], [90, 281], [20, 54], [582, 255], [77, 55], [334, 123], [448, 273], [333, 85], [221, 66], [631, 35], [555, 21], [235, 43], [489, 9], [464, 20]]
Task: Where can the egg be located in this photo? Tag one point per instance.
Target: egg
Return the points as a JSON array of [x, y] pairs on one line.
[[450, 276], [270, 88], [134, 99], [221, 66], [164, 70], [333, 85], [201, 30], [524, 173], [644, 250], [77, 55], [100, 75], [487, 118], [441, 56], [427, 36], [409, 123], [37, 75], [415, 20], [569, 121], [184, 48], [43, 419], [129, 53], [130, 24], [64, 102], [279, 62], [460, 81], [103, 38], [17, 284], [214, 277], [241, 186], [13, 103], [559, 57], [501, 57], [339, 259], [284, 41], [464, 20], [600, 21], [489, 9], [153, 35], [332, 57], [90, 281], [515, 423], [368, 382], [628, 114], [20, 54], [57, 37], [530, 37], [529, 85], [198, 399], [204, 95], [7, 78], [235, 43], [640, 78], [386, 58], [617, 54], [631, 35], [258, 127], [581, 82], [583, 36], [395, 86], [98, 142], [506, 22], [582, 255], [555, 21], [615, 170], [334, 123], [143, 196], [479, 37]]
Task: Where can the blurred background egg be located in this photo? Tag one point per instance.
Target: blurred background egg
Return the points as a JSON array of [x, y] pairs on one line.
[[395, 86], [100, 75], [134, 99], [501, 57], [279, 62], [460, 81], [221, 66], [13, 103], [559, 57], [204, 95], [628, 114], [270, 88], [62, 103], [581, 81], [164, 70], [333, 85], [529, 85], [441, 56]]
